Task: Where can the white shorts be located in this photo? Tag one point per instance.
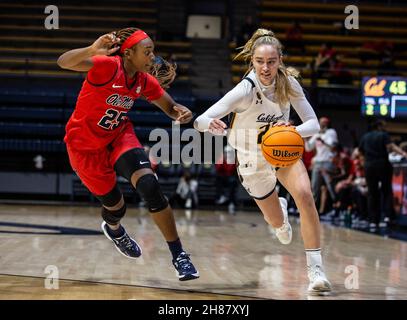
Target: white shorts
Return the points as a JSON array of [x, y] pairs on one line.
[[257, 176]]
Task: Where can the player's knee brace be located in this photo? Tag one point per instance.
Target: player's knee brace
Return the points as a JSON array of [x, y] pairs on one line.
[[113, 216], [150, 191], [112, 198]]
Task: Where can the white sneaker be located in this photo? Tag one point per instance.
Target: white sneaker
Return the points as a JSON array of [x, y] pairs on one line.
[[372, 227], [318, 283], [383, 224], [285, 232], [231, 208], [221, 200]]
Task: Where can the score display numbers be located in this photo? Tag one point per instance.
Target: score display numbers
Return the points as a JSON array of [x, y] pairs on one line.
[[384, 97]]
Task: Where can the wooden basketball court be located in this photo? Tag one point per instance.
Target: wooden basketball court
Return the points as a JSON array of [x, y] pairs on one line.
[[237, 256]]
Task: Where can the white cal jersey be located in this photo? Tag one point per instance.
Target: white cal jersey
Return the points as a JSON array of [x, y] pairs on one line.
[[252, 113], [249, 125]]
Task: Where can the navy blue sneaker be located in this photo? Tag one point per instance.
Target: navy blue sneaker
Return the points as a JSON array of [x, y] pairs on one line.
[[185, 268], [125, 245]]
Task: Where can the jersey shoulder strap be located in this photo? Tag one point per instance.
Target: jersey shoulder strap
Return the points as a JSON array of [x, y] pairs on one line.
[[250, 80]]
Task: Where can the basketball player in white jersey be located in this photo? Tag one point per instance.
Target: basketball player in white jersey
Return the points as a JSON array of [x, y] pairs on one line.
[[262, 99]]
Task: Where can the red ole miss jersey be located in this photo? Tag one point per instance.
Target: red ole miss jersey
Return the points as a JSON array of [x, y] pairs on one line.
[[106, 96]]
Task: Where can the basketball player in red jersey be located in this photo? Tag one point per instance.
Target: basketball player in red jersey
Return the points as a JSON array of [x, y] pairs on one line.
[[100, 138]]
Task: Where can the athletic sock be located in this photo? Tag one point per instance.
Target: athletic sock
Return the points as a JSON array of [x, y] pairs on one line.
[[313, 257], [115, 233], [175, 248]]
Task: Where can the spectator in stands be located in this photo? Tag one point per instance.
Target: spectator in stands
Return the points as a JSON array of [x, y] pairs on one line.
[[293, 38], [387, 61], [226, 181], [246, 31], [403, 146], [101, 141], [338, 73], [368, 51], [322, 61], [375, 147], [343, 179], [376, 50], [324, 143], [396, 157], [307, 157], [186, 194], [359, 190], [260, 100]]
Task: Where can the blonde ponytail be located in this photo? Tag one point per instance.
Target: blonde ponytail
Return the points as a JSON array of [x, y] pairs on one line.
[[247, 50], [267, 37]]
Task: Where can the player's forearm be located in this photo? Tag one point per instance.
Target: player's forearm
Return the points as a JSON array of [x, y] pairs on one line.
[[236, 97], [308, 128], [166, 104], [170, 112], [398, 150], [202, 122], [73, 57], [309, 146]]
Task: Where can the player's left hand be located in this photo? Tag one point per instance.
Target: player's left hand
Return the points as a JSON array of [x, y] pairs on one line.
[[184, 114], [281, 123]]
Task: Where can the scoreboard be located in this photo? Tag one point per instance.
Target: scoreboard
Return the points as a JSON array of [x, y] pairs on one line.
[[384, 97]]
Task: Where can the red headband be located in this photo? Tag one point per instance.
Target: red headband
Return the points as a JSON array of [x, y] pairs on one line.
[[135, 38]]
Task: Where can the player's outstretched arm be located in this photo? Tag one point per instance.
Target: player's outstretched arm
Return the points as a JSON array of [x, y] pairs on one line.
[[79, 59], [174, 110]]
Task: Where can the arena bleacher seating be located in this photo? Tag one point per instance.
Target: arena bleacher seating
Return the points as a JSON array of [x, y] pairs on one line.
[[322, 23], [38, 97]]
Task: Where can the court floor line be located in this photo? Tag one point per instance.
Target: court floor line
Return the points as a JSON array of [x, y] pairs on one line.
[[142, 286]]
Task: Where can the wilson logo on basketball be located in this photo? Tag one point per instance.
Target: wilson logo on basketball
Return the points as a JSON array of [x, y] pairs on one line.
[[285, 154], [282, 146]]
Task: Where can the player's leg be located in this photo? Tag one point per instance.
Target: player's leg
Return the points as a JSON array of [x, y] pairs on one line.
[[98, 176], [295, 179], [113, 210], [135, 167], [275, 213], [386, 176], [373, 197], [259, 180]]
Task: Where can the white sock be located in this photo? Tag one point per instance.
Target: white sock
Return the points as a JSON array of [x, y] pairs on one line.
[[313, 257]]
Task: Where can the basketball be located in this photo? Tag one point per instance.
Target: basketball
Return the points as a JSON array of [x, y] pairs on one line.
[[282, 146]]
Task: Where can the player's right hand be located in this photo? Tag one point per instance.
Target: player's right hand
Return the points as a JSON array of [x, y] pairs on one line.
[[281, 123], [106, 44], [217, 127]]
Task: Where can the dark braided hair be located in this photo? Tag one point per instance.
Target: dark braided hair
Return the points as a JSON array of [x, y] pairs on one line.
[[162, 70]]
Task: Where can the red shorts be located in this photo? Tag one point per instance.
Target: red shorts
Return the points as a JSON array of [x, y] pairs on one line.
[[96, 168]]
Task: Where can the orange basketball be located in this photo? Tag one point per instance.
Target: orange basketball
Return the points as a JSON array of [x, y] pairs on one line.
[[282, 146]]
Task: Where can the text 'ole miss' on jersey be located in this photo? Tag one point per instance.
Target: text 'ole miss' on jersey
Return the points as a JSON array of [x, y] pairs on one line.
[[107, 95]]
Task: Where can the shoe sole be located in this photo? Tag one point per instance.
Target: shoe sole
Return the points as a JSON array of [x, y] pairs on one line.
[[188, 277], [324, 289], [108, 236], [319, 293]]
